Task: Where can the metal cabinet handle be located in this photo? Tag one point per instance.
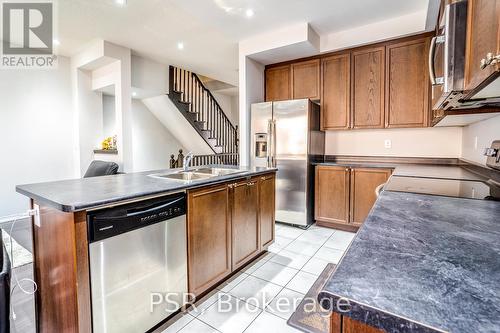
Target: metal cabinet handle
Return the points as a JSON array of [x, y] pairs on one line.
[[379, 189], [489, 60], [432, 53]]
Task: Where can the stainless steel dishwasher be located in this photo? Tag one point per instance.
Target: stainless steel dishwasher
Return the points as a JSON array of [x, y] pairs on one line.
[[137, 252]]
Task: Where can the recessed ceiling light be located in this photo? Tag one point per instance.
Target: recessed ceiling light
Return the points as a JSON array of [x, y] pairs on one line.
[[249, 12], [121, 2], [56, 42], [180, 45], [134, 94]]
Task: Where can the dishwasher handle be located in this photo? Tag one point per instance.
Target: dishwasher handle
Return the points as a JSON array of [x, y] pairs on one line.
[[113, 221]]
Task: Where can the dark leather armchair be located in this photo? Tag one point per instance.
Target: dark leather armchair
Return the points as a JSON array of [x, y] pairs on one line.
[[101, 168]]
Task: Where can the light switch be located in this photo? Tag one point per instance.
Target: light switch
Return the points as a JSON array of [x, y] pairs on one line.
[[387, 143]]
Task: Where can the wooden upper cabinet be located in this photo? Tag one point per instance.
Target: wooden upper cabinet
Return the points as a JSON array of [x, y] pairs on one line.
[[364, 182], [245, 222], [407, 86], [336, 92], [267, 210], [278, 83], [332, 194], [306, 79], [483, 37], [209, 237], [368, 77]]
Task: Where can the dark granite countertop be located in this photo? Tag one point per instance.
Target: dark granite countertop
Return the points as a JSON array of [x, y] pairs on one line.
[[416, 170], [422, 263], [81, 194]]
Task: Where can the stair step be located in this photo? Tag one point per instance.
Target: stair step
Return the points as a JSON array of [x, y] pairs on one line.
[[183, 102]]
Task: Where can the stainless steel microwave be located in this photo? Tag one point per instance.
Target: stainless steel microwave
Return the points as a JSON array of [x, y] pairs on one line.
[[447, 58]]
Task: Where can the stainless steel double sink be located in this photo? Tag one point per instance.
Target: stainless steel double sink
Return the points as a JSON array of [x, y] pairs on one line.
[[197, 174]]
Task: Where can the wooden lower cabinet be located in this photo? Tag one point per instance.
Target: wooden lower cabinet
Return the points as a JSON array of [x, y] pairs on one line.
[[332, 194], [344, 196], [227, 226], [343, 324], [364, 182], [209, 237], [245, 222], [267, 208]]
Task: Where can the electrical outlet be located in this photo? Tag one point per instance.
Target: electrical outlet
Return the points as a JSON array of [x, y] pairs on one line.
[[387, 143]]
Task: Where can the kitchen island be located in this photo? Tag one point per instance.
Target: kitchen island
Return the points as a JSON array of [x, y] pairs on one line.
[[225, 218], [420, 263]]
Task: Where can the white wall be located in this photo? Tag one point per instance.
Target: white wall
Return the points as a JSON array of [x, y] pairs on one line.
[[36, 125], [149, 78], [251, 91], [423, 142], [108, 116], [229, 104], [152, 142], [485, 131], [89, 119], [168, 114]]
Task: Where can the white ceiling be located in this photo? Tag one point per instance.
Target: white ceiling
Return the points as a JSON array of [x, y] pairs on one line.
[[209, 29]]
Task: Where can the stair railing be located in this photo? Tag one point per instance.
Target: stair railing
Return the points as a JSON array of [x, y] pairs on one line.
[[203, 160], [205, 106]]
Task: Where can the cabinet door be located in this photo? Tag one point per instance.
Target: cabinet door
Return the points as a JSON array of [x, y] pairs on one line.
[[352, 326], [267, 194], [407, 86], [364, 181], [245, 222], [332, 194], [209, 237], [368, 77], [305, 79], [336, 92], [278, 83], [483, 37]]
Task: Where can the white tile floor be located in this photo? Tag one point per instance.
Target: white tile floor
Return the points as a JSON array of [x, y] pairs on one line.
[[264, 295]]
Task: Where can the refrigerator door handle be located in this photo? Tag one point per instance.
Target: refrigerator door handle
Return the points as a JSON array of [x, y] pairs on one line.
[[269, 141], [273, 144]]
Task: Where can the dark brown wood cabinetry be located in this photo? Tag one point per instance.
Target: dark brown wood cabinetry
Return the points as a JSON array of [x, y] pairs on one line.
[[483, 37], [385, 85], [367, 92], [267, 210], [407, 84], [344, 196], [306, 79], [278, 83], [245, 221], [228, 225], [364, 181], [344, 324], [332, 194], [336, 92], [209, 237]]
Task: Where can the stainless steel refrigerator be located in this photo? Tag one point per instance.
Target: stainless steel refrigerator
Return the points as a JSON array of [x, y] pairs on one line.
[[287, 135]]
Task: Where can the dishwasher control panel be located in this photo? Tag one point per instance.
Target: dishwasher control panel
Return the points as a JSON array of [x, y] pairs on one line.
[[109, 222]]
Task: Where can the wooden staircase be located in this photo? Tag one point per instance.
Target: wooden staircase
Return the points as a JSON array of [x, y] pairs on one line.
[[201, 110]]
